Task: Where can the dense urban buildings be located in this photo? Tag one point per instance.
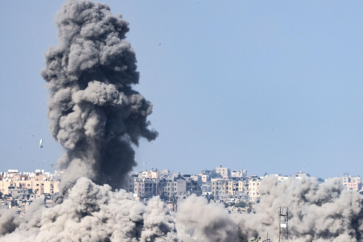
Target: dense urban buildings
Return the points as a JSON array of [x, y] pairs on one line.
[[19, 189]]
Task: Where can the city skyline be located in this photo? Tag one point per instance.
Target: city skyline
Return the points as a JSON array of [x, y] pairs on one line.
[[269, 92], [253, 109]]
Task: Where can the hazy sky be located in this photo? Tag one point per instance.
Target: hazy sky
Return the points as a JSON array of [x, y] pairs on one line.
[[267, 86]]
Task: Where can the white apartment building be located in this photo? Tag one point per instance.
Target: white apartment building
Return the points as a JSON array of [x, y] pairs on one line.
[[239, 173], [280, 178]]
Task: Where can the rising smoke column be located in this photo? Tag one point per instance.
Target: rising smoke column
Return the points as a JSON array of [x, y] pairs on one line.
[[96, 116], [94, 113]]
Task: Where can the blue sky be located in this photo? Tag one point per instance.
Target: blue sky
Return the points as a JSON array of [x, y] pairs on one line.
[[268, 86]]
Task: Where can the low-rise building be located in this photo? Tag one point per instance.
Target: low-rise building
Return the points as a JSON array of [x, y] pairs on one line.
[[280, 178], [239, 173]]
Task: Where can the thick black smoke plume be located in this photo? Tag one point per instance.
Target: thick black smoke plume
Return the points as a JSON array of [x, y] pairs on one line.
[[94, 113]]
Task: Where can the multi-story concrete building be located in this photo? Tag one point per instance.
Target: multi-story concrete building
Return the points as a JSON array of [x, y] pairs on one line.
[[129, 183], [144, 187], [206, 188], [219, 188], [39, 182], [205, 178], [239, 173], [232, 186], [243, 185], [254, 188], [176, 188], [153, 174], [223, 171], [352, 182], [194, 187]]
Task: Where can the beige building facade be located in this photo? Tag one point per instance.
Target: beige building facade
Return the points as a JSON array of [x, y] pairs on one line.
[[223, 171], [254, 189], [39, 182]]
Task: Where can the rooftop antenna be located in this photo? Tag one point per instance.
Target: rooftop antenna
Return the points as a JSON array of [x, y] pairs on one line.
[[157, 181], [283, 224], [267, 240]]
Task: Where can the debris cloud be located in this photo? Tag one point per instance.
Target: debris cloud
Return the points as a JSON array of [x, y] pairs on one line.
[[92, 213], [197, 220], [317, 212]]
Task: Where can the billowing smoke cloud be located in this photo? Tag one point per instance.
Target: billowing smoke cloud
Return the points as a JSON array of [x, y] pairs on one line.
[[7, 221], [199, 221], [91, 213], [94, 113], [317, 212]]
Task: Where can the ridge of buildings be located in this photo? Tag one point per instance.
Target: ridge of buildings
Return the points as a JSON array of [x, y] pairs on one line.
[[19, 189]]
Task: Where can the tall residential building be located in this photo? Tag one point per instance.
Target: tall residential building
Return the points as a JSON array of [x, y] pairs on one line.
[[219, 188], [174, 188], [254, 189], [223, 171], [144, 187], [129, 183]]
